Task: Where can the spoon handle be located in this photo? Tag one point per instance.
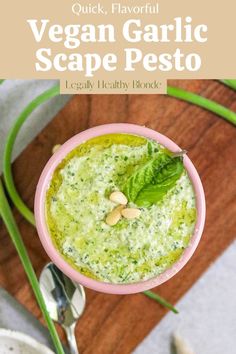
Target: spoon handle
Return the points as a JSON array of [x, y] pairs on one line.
[[70, 333]]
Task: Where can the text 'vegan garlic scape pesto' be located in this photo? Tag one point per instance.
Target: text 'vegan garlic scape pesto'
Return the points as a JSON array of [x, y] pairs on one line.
[[151, 180]]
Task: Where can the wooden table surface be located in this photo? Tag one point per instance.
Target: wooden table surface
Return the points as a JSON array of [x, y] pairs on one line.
[[116, 324]]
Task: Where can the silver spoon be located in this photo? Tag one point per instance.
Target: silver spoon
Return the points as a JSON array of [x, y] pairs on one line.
[[65, 301]]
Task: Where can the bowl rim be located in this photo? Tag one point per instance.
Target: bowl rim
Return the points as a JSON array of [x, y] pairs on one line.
[[25, 339], [57, 258]]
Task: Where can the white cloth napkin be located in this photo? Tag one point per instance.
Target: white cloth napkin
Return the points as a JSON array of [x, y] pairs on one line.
[[207, 319]]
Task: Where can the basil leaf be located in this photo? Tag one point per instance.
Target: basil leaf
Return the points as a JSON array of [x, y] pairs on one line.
[[144, 175], [151, 182], [165, 179]]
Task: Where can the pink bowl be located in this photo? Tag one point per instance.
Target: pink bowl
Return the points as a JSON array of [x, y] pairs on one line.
[[44, 235]]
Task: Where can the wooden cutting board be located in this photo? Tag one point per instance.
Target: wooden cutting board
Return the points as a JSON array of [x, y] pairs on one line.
[[116, 324]]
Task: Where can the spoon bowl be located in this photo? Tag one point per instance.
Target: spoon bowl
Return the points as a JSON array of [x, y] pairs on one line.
[[64, 299]]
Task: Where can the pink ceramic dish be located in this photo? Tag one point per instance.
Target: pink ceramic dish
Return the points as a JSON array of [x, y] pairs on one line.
[[44, 235]]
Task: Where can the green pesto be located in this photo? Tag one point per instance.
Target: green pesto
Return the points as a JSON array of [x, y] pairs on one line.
[[131, 250]]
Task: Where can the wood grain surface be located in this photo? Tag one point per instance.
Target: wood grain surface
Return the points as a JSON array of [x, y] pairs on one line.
[[116, 324]]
